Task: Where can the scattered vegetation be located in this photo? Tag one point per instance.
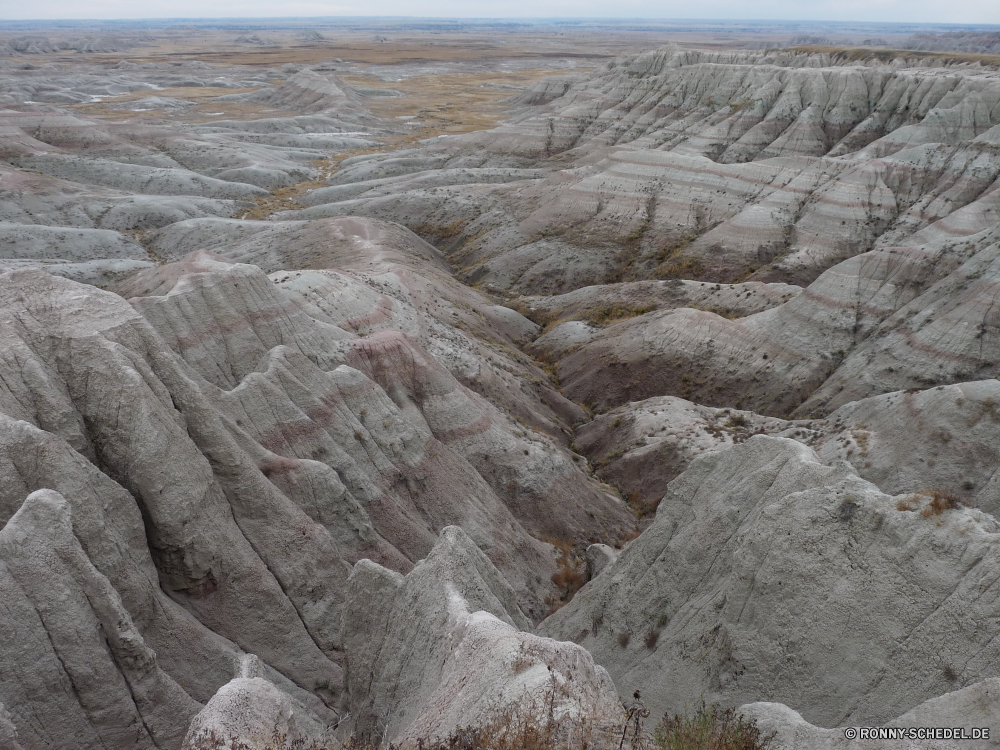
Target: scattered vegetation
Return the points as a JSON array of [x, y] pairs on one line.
[[612, 312], [940, 501], [536, 728], [525, 659], [682, 268], [711, 728], [652, 636], [623, 263], [674, 248], [435, 232], [570, 575]]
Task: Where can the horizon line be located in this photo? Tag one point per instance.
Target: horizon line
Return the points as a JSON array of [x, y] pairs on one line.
[[497, 19]]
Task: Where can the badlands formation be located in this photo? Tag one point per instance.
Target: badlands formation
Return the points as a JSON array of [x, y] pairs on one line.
[[329, 410]]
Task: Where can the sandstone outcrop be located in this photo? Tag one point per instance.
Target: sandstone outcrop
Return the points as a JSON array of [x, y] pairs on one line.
[[375, 275], [307, 91], [610, 301], [938, 439]]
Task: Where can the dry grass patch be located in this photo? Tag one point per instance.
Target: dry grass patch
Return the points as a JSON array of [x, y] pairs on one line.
[[711, 728]]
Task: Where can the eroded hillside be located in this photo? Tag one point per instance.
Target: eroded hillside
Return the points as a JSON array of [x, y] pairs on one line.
[[374, 393]]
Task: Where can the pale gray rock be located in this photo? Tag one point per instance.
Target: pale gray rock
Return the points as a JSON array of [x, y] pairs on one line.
[[28, 198], [751, 539], [75, 617], [892, 319], [206, 564], [939, 439], [714, 166], [974, 706], [109, 526], [599, 556], [136, 178], [252, 713], [307, 91], [419, 180], [393, 282], [610, 301], [563, 339], [33, 242], [444, 647], [392, 398], [308, 394], [8, 732], [99, 273]]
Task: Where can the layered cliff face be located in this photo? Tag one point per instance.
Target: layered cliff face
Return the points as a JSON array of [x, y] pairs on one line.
[[253, 451], [680, 164]]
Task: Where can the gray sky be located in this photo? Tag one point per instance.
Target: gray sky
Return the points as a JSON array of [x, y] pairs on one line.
[[910, 11]]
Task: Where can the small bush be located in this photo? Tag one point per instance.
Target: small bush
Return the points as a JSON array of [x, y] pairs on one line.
[[612, 312], [571, 573], [940, 502], [711, 728], [652, 636], [531, 727], [624, 638]]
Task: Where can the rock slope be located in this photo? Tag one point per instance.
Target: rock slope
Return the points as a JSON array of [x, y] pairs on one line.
[[256, 449], [974, 706], [753, 291], [940, 439], [889, 596], [445, 648]]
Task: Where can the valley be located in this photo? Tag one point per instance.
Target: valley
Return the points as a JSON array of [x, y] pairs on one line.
[[372, 381]]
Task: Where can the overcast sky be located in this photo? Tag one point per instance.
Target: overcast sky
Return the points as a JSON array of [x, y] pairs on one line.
[[910, 11]]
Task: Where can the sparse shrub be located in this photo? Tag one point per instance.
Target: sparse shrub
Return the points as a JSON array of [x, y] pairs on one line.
[[711, 728], [596, 621], [523, 660], [652, 636], [570, 575], [609, 313], [940, 502], [634, 534], [623, 638], [532, 727], [847, 509]]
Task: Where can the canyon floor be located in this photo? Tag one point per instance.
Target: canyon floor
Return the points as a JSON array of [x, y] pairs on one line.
[[378, 379]]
